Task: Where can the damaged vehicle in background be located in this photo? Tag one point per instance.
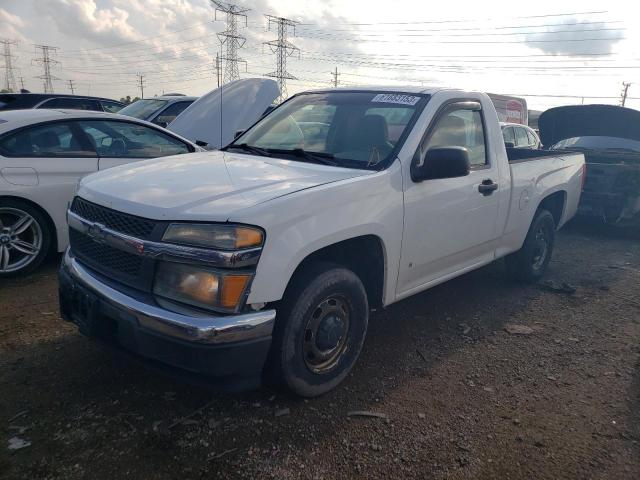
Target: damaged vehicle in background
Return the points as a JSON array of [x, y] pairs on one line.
[[609, 137], [261, 262]]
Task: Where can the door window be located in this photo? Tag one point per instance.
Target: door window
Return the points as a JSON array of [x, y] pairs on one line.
[[532, 138], [461, 128], [72, 103], [111, 107], [508, 135], [118, 139], [170, 113], [521, 137], [49, 140]]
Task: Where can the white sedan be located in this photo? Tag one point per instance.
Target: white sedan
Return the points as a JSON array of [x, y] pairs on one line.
[[43, 154]]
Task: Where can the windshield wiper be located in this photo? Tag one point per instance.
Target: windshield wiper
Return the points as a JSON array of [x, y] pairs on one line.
[[248, 148], [315, 157]]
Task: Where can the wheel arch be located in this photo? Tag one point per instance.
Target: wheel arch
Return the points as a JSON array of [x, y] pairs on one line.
[[556, 204], [365, 255]]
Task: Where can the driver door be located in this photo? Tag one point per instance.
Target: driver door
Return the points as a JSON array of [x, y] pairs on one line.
[[120, 142], [450, 225]]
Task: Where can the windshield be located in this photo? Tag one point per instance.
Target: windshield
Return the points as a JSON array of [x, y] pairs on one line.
[[598, 143], [142, 109], [347, 129]]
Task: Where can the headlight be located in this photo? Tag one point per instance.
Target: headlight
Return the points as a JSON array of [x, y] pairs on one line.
[[223, 237], [201, 287]]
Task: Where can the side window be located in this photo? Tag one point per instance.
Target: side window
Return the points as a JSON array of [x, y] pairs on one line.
[[49, 140], [461, 128], [118, 139], [170, 113], [111, 107], [508, 135], [521, 137], [72, 103], [532, 138]]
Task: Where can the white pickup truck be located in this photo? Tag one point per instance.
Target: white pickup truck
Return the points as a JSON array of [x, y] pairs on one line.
[[262, 261]]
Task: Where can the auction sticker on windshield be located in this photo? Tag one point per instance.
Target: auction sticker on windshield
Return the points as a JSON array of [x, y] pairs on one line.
[[397, 98]]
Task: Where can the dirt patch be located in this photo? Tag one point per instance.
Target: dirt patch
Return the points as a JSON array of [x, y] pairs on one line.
[[449, 391]]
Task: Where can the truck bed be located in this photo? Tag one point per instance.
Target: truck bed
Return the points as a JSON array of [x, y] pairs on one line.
[[516, 155]]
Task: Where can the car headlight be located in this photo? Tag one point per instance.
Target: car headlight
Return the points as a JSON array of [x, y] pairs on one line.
[[201, 287], [220, 236]]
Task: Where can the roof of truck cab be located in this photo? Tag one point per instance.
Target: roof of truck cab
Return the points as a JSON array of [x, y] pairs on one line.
[[386, 88]]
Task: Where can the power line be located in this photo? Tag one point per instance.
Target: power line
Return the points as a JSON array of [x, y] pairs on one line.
[[230, 38], [283, 49], [46, 61], [10, 79]]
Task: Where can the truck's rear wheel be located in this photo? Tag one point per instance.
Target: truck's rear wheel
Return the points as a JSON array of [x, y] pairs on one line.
[[320, 329], [530, 262]]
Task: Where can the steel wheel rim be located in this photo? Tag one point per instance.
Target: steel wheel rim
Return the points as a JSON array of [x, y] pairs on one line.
[[326, 334], [20, 239], [541, 249]]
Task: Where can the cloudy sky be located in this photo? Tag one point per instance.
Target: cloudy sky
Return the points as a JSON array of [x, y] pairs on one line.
[[553, 52]]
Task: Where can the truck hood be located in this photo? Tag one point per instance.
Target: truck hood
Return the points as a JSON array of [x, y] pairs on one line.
[[216, 116], [207, 186], [560, 123]]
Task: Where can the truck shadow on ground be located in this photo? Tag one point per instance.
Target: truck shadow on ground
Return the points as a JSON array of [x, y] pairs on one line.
[[84, 400]]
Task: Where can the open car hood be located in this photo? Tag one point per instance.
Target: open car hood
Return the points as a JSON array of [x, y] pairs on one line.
[[560, 123], [216, 116]]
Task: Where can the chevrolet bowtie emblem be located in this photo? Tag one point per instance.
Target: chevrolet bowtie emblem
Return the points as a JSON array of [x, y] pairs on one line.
[[96, 231]]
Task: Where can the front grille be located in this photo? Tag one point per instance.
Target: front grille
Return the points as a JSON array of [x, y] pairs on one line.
[[141, 228], [104, 258]]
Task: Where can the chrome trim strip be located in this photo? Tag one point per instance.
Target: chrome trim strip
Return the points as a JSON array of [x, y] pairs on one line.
[[200, 329], [163, 251]]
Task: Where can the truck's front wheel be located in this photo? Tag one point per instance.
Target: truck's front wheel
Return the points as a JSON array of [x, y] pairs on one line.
[[320, 329], [530, 262]]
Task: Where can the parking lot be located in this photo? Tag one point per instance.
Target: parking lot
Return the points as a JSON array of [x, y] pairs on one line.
[[448, 391]]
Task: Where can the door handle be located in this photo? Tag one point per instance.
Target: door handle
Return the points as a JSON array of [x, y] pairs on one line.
[[487, 187]]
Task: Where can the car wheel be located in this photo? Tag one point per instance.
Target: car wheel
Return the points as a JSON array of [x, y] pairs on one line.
[[529, 263], [319, 332], [25, 238]]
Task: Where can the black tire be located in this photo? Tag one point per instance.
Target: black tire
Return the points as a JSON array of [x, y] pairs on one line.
[[10, 206], [527, 264], [293, 364]]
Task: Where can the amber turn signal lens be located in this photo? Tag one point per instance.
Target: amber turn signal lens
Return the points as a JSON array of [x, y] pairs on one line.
[[248, 237], [232, 289]]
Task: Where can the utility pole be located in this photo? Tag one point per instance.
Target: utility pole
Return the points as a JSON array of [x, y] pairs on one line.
[[71, 87], [335, 77], [283, 49], [218, 69], [22, 83], [141, 83], [625, 91], [10, 79], [230, 38], [46, 61]]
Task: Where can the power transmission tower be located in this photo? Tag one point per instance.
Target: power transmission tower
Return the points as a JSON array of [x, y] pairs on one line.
[[230, 38], [47, 62], [71, 87], [141, 83], [625, 91], [335, 77], [10, 79], [283, 49]]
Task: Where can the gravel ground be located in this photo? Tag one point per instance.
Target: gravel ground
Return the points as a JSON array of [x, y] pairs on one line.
[[459, 396]]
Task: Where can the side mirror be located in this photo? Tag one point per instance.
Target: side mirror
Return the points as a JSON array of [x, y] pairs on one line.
[[162, 124], [238, 133], [509, 145], [442, 162], [201, 143]]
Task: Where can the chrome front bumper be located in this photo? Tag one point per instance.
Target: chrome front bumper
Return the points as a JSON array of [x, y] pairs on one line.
[[202, 329]]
